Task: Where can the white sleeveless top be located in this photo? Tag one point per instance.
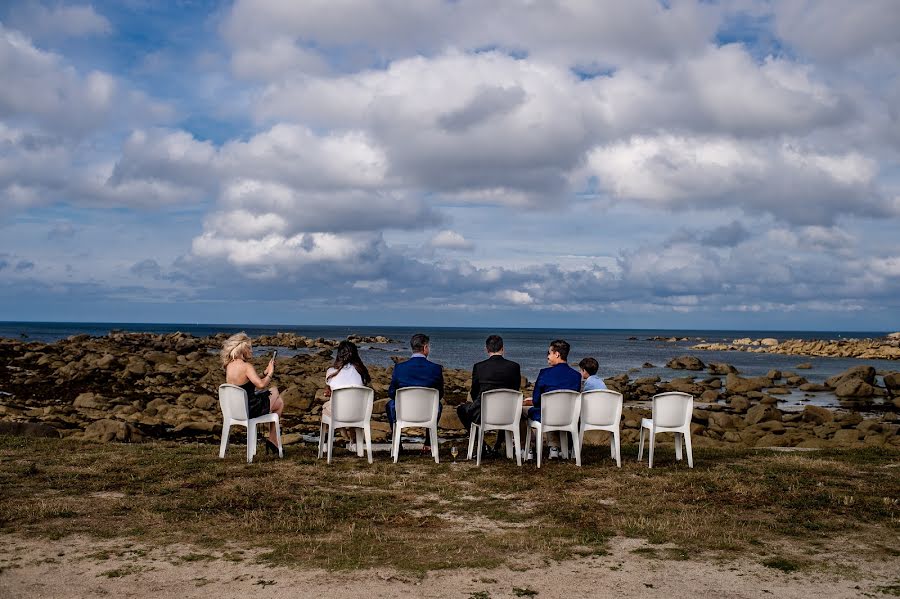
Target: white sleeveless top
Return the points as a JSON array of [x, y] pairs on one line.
[[348, 376]]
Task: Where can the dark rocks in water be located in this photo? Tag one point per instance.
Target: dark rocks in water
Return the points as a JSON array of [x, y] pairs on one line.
[[854, 389], [863, 373], [804, 366], [648, 365], [774, 375], [685, 363], [741, 385], [632, 338], [325, 353], [892, 383], [722, 368]]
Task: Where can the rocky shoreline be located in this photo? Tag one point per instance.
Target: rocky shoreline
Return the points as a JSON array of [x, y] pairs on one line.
[[887, 348], [130, 387]]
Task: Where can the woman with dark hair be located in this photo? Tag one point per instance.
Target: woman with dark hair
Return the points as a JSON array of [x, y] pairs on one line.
[[348, 370]]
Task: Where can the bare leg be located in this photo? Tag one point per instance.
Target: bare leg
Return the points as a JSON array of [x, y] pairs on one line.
[[276, 405]]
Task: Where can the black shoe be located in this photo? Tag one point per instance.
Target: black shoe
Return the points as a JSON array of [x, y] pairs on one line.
[[272, 448], [489, 452]]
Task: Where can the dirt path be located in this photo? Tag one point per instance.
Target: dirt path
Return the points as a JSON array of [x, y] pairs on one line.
[[77, 567]]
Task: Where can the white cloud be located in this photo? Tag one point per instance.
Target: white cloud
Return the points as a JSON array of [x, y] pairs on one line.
[[59, 21], [450, 240]]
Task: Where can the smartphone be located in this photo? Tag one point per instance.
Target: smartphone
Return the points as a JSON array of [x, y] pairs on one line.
[[274, 355]]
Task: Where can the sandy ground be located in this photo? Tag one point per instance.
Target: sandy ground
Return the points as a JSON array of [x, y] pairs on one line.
[[78, 567]]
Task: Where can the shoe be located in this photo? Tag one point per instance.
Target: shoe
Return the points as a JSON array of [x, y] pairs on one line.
[[426, 450], [272, 448], [527, 455], [351, 446], [554, 453], [489, 452]]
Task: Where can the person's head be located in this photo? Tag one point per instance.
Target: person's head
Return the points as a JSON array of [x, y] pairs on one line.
[[558, 352], [589, 367], [419, 343], [347, 353], [494, 344], [236, 347]]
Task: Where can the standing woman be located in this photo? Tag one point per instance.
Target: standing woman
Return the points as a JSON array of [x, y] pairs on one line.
[[236, 355], [348, 370]]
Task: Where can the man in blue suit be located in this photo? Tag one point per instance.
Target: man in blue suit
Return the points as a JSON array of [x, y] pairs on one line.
[[418, 371], [558, 376]]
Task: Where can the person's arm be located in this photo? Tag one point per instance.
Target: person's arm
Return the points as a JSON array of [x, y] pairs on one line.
[[475, 391], [440, 382], [536, 394], [518, 378], [392, 389], [260, 383]]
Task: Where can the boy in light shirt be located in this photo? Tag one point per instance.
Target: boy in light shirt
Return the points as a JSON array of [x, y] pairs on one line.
[[592, 380]]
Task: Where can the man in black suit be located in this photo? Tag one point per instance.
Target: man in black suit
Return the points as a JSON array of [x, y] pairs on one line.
[[494, 373]]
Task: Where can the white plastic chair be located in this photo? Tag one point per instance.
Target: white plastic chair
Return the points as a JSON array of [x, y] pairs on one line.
[[235, 411], [416, 407], [601, 410], [501, 410], [559, 412], [351, 407], [672, 413]]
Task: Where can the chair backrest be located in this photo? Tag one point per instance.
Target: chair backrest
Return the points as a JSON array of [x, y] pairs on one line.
[[352, 404], [501, 407], [673, 408], [416, 404], [234, 402], [601, 407], [560, 408]]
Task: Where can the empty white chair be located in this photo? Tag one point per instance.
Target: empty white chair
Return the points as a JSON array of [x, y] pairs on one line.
[[235, 411], [416, 407], [501, 410], [351, 407], [601, 410], [559, 412], [672, 413]]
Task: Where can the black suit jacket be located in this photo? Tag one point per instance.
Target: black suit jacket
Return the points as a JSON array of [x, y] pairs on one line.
[[494, 373]]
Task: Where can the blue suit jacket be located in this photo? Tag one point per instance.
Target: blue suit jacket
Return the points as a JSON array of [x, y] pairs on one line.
[[554, 378], [417, 372]]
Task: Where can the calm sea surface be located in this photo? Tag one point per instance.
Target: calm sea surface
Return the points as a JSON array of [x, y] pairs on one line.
[[615, 349]]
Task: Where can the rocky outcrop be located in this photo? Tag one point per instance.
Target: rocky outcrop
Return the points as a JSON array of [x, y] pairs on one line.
[[685, 363], [887, 348]]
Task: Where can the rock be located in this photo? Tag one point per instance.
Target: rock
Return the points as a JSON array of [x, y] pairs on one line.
[[848, 419], [844, 437], [112, 430], [203, 426], [90, 401], [768, 342], [709, 396], [778, 391], [796, 381], [685, 363], [648, 365], [722, 369], [205, 402], [893, 335], [741, 385], [449, 420], [761, 413], [804, 366], [739, 403], [773, 374], [892, 383], [854, 388], [817, 415], [814, 388], [863, 373], [647, 380]]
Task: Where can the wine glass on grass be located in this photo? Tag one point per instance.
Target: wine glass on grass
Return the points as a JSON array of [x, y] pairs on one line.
[[454, 452]]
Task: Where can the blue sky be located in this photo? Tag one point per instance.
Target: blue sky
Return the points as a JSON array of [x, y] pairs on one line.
[[603, 164]]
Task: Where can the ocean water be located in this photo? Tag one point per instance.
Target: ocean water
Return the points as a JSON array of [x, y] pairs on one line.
[[617, 350]]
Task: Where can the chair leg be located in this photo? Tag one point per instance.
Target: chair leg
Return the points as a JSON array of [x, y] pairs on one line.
[[367, 433], [652, 444], [251, 441], [612, 447], [321, 437], [508, 442], [641, 444], [480, 445], [330, 441], [434, 444], [539, 441], [278, 438], [223, 444], [618, 445], [396, 444], [527, 438], [678, 446], [359, 442], [687, 447], [576, 447], [564, 444], [473, 430], [517, 446]]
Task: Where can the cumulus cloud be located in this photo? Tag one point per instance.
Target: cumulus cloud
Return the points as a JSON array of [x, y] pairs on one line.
[[450, 240], [59, 21]]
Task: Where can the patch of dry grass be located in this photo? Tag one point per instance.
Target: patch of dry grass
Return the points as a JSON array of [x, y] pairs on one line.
[[417, 515]]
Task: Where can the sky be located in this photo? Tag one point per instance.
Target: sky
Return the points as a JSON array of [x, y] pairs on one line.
[[512, 163]]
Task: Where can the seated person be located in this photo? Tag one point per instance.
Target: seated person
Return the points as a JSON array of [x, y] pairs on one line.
[[348, 370], [494, 373], [236, 355], [418, 371], [592, 380], [558, 376]]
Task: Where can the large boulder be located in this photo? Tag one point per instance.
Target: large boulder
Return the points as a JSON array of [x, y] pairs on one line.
[[761, 413], [817, 415], [892, 382], [721, 368], [107, 430], [685, 363], [862, 373], [854, 389], [740, 385]]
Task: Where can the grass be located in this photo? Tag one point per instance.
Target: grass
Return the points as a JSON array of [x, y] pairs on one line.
[[419, 516]]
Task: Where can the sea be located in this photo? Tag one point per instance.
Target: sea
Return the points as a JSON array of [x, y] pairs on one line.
[[638, 352]]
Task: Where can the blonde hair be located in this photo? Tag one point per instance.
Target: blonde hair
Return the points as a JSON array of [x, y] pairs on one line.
[[236, 346]]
